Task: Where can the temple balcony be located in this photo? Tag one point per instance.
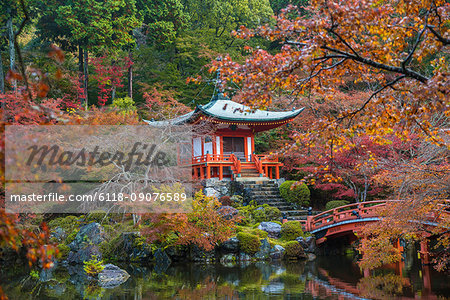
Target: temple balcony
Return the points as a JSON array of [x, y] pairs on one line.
[[233, 166]]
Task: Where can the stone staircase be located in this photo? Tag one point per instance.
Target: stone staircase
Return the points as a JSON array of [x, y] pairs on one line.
[[265, 191]]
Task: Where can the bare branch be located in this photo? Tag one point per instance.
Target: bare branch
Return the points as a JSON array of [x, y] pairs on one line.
[[442, 39], [389, 84], [410, 55]]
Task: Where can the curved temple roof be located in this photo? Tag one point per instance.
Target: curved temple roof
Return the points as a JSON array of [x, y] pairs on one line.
[[222, 108]]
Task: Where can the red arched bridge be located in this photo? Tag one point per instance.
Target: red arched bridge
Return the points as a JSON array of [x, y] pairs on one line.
[[348, 219]]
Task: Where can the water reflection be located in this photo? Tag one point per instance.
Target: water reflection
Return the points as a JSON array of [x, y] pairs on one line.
[[325, 278]]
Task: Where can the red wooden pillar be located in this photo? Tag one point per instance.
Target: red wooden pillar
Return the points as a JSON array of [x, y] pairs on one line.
[[201, 173], [270, 173], [220, 172], [208, 172], [277, 172], [194, 173]]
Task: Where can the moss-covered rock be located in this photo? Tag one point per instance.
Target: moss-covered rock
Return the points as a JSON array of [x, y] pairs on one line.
[[293, 251], [63, 250], [98, 216], [68, 224], [291, 230], [249, 243]]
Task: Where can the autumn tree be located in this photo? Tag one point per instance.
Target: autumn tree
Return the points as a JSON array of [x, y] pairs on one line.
[[87, 26], [397, 51]]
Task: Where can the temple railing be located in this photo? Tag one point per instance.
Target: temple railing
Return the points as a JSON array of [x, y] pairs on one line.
[[236, 164], [257, 161], [267, 158]]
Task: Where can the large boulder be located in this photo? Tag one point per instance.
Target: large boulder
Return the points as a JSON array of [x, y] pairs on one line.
[[200, 255], [227, 212], [272, 228], [135, 247], [264, 250], [112, 276], [178, 253], [85, 245], [58, 233], [311, 241], [301, 240], [215, 187], [277, 252], [230, 246]]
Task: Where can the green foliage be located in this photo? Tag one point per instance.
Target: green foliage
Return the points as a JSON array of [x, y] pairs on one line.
[[63, 250], [255, 231], [71, 236], [298, 194], [259, 213], [291, 230], [109, 248], [125, 104], [236, 201], [293, 250], [93, 266], [97, 216], [335, 203], [249, 243], [163, 19], [34, 274], [69, 223]]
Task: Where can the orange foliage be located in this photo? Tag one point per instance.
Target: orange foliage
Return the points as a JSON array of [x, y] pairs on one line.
[[203, 227]]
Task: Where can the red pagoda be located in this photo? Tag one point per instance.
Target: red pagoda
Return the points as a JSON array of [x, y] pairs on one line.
[[228, 150]]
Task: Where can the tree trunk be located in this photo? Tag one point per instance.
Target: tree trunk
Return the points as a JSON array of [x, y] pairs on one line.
[[130, 76], [2, 77], [86, 58], [12, 50], [113, 93], [80, 72]]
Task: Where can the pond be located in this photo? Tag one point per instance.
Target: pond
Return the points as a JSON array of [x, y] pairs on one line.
[[331, 277]]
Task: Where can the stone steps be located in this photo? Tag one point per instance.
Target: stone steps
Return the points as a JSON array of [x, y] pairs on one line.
[[268, 193]]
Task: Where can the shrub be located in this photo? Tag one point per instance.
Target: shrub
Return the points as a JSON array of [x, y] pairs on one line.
[[260, 233], [225, 201], [95, 216], [291, 230], [236, 201], [335, 203], [299, 194], [93, 266], [125, 104], [259, 213], [110, 248], [69, 223], [72, 235], [249, 243], [63, 250], [293, 250]]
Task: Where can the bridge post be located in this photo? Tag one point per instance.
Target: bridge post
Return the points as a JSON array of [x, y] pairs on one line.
[[308, 223], [425, 252]]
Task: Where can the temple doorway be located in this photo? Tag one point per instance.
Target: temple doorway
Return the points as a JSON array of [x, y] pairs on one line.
[[234, 145]]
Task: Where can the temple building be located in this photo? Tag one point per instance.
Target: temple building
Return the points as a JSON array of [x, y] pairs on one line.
[[227, 149]]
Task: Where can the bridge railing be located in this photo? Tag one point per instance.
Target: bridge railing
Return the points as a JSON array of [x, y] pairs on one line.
[[347, 212]]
